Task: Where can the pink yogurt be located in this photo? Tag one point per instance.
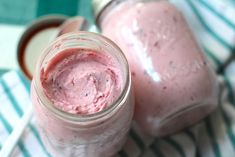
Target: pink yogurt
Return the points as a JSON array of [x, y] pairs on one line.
[[174, 85], [81, 93], [81, 81]]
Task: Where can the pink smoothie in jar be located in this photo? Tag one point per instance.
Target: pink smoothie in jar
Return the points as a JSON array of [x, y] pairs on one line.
[[174, 84], [81, 92], [82, 81]]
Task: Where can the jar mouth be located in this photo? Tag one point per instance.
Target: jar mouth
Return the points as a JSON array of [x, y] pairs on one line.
[[82, 36]]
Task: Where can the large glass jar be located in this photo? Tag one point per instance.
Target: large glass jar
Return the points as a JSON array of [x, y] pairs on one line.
[[174, 84], [99, 134]]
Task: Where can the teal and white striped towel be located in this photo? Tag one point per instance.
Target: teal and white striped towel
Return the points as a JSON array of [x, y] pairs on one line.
[[213, 22], [215, 136]]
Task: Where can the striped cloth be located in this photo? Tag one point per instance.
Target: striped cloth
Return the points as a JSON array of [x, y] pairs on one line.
[[213, 22]]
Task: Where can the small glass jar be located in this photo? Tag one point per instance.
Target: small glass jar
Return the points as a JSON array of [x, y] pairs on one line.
[[100, 134], [174, 84]]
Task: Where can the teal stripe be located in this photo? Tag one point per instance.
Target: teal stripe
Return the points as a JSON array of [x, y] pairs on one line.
[[11, 98], [24, 81], [9, 130], [32, 128], [175, 145], [156, 150], [215, 12], [229, 126], [36, 134], [230, 90], [212, 138], [3, 71], [209, 30], [24, 150], [6, 124], [19, 111], [228, 123], [137, 140], [122, 153], [212, 56], [193, 138]]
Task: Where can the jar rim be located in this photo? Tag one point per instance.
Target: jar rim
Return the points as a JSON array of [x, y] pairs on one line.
[[100, 6], [75, 117]]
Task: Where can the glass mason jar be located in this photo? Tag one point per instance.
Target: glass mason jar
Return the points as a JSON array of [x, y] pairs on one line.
[[174, 84], [100, 134]]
